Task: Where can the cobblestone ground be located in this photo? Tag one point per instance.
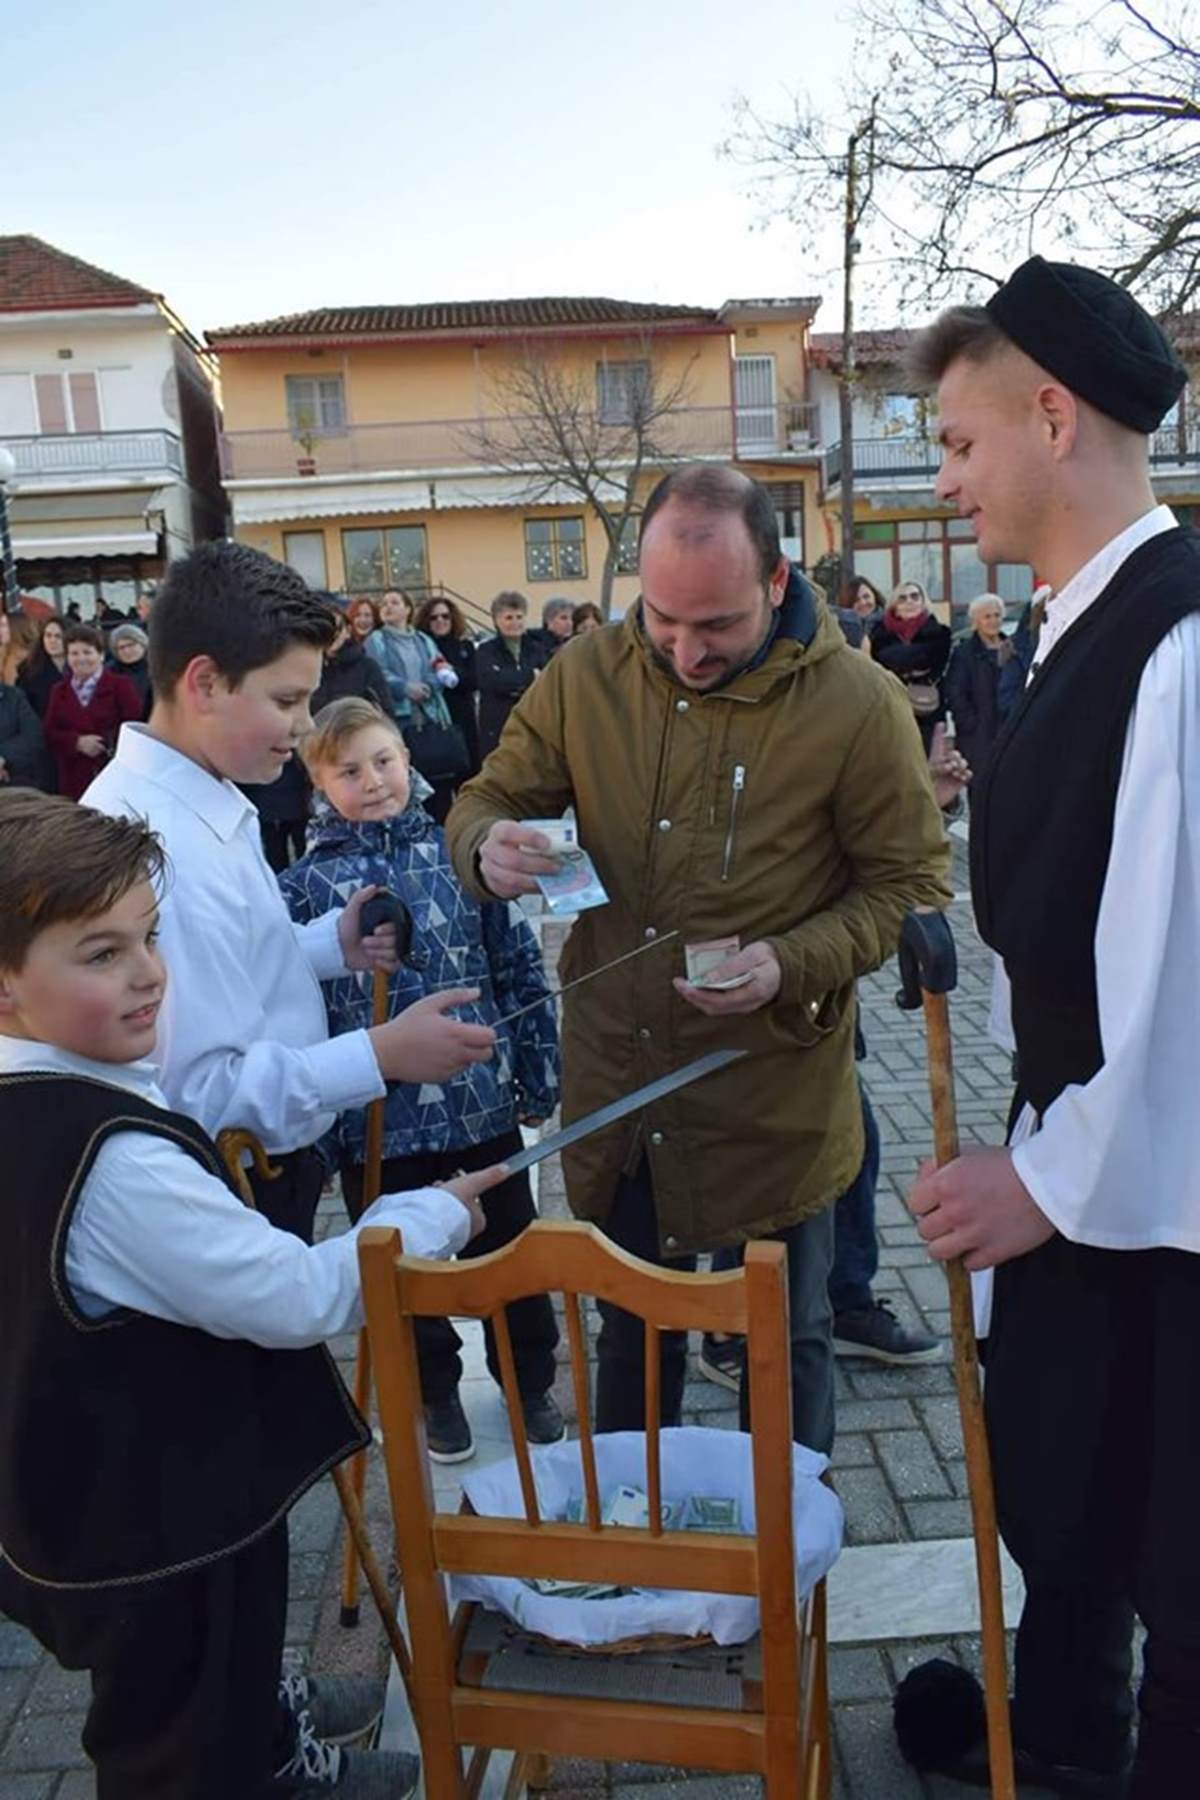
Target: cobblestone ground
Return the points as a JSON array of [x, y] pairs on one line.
[[898, 1462]]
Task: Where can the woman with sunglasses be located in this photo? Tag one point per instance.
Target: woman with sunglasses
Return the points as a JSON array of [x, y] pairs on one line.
[[914, 645], [443, 621]]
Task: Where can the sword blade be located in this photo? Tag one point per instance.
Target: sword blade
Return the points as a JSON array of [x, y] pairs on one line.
[[590, 976], [620, 1109]]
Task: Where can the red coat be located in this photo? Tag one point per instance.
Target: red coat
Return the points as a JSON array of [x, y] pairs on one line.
[[114, 701]]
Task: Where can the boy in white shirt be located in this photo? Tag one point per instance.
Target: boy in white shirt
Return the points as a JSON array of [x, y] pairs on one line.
[[165, 1401], [235, 654]]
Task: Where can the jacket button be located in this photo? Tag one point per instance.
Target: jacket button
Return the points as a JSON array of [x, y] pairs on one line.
[[644, 1032], [681, 706], [664, 824], [671, 1243], [656, 1137], [649, 933]]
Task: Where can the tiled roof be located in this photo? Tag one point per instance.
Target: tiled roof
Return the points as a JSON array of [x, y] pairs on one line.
[[34, 277], [460, 316], [825, 347]]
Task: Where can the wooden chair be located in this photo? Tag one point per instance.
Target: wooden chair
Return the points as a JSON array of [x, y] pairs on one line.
[[780, 1729]]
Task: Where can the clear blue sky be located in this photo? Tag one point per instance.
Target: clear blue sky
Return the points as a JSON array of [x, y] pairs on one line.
[[257, 158]]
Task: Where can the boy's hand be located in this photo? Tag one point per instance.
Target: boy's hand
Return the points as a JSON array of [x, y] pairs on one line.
[[424, 1044], [376, 951], [468, 1188], [511, 855]]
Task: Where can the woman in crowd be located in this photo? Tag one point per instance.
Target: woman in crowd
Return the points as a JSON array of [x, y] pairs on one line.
[[972, 684], [443, 621], [406, 657], [23, 758], [862, 598], [362, 618], [45, 664], [349, 673], [914, 645], [85, 711], [127, 647], [586, 617], [18, 635]]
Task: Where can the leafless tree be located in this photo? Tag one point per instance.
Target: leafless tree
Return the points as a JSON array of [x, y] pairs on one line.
[[551, 425], [1006, 126]]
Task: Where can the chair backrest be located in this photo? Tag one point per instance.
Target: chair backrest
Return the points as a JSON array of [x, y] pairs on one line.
[[576, 1259]]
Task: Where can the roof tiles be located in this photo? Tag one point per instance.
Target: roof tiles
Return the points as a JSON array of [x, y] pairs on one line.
[[462, 316], [37, 277]]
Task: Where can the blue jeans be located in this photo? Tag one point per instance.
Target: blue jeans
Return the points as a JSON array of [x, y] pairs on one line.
[[855, 1245]]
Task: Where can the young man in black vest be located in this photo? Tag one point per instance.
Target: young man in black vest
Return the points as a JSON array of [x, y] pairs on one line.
[[1085, 861], [166, 1399]]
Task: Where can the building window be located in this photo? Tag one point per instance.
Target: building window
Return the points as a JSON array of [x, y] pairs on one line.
[[627, 552], [941, 554], [67, 404], [787, 497], [622, 389], [304, 551], [901, 415], [315, 404], [555, 550], [382, 558]]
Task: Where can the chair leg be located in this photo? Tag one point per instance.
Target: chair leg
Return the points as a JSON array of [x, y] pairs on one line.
[[530, 1769]]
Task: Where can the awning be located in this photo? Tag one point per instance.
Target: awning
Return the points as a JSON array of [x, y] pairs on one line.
[[75, 524]]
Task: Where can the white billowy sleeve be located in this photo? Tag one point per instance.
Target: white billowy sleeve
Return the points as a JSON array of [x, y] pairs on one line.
[[156, 1232], [1117, 1161]]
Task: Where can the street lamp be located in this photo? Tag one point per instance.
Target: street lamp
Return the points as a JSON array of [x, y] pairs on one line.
[[8, 567]]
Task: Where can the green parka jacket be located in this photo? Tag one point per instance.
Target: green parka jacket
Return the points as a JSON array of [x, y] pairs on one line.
[[792, 805]]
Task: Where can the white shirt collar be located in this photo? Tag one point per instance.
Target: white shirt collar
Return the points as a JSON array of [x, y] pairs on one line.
[[1088, 583], [23, 1056], [217, 803]]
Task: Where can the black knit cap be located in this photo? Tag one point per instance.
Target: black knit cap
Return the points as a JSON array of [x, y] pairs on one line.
[[1094, 337]]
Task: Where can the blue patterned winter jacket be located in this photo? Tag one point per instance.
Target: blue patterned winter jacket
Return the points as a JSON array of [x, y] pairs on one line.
[[456, 943]]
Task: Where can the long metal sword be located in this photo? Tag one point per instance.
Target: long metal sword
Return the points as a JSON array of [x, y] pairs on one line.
[[620, 1109], [590, 976]]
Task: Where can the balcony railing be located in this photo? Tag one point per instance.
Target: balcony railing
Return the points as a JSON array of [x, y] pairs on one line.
[[468, 446], [102, 453], [885, 459], [1175, 445]]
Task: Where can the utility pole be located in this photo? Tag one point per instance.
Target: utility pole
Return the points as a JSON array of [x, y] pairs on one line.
[[857, 201], [8, 567]]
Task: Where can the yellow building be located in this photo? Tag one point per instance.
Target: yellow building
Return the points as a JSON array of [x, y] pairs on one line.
[[383, 446]]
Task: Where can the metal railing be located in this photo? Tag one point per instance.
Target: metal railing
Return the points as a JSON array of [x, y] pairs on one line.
[[448, 446], [99, 453], [921, 457], [1175, 445]]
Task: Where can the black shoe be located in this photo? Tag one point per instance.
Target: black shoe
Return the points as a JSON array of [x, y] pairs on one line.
[[544, 1423], [722, 1359], [447, 1433], [876, 1332]]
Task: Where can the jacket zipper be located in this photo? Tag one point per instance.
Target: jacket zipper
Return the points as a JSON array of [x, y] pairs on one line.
[[739, 782]]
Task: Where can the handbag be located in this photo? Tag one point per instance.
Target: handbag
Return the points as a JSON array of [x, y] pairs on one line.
[[924, 697], [438, 748]]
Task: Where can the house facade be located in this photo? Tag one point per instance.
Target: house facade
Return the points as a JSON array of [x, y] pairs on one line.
[[107, 403], [386, 446], [901, 533]]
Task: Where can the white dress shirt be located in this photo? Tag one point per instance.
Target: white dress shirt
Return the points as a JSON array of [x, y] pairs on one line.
[[153, 1231], [242, 1036], [1116, 1163]]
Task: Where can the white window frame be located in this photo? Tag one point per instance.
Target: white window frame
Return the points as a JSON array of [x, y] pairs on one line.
[[757, 421], [63, 377], [617, 384], [320, 427]]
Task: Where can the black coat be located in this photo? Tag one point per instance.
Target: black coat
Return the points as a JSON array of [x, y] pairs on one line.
[[459, 652], [352, 675], [502, 679], [922, 658], [22, 746], [972, 692], [37, 680], [139, 674]]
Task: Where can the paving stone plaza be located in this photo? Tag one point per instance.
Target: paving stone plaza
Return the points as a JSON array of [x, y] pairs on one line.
[[904, 1587]]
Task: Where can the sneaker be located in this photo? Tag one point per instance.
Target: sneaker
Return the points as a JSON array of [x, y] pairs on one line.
[[544, 1423], [340, 1708], [875, 1331], [317, 1768], [722, 1359], [447, 1433]]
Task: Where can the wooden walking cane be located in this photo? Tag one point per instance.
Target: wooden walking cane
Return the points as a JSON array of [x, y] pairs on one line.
[[233, 1145], [928, 971]]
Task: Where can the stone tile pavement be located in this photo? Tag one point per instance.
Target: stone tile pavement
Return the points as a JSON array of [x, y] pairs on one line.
[[898, 1463]]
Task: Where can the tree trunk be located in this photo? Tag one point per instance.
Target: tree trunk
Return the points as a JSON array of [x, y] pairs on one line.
[[606, 579]]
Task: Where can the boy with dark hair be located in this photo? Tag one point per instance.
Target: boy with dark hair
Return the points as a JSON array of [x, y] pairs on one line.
[[371, 826], [235, 655], [505, 666], [165, 1401]]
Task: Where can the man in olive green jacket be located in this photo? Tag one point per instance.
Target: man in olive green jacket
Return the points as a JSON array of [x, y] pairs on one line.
[[733, 769]]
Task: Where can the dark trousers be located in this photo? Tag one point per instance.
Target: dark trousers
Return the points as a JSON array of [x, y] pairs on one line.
[[290, 1201], [620, 1348], [509, 1209], [855, 1242], [283, 841], [185, 1674], [1093, 1408]]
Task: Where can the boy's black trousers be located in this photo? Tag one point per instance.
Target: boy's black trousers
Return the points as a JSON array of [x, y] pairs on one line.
[[509, 1210], [185, 1674]]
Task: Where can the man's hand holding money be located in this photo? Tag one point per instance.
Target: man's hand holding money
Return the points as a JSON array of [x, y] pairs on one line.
[[759, 962], [511, 855]]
